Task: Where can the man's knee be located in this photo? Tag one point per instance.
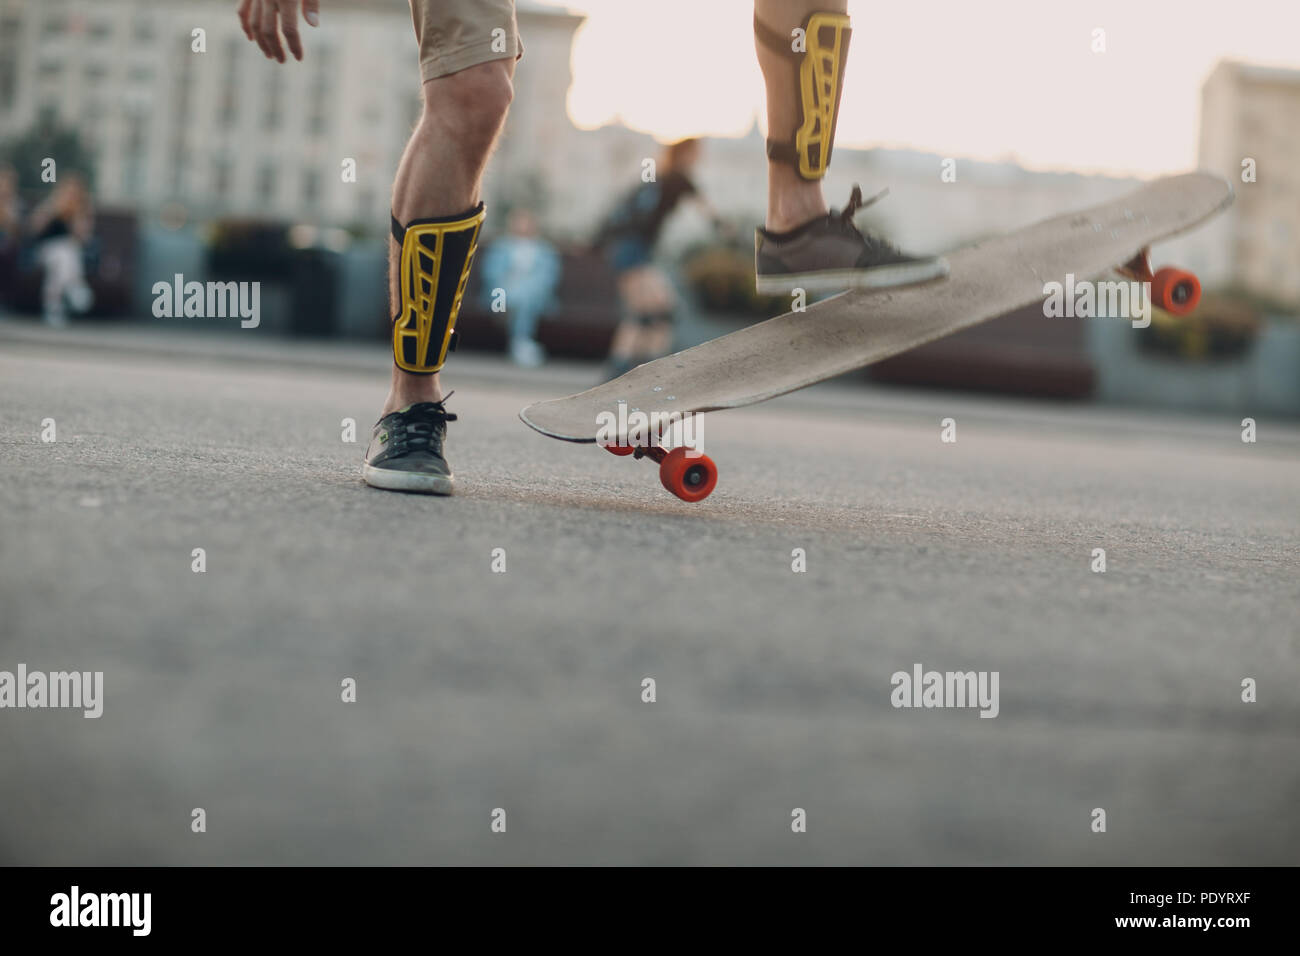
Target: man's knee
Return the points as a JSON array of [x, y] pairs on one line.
[[476, 98]]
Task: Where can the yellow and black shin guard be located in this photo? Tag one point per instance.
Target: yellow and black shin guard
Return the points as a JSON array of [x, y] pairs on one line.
[[433, 272], [821, 52]]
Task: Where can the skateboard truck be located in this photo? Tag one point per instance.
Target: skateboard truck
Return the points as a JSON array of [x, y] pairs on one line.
[[688, 475], [1177, 291]]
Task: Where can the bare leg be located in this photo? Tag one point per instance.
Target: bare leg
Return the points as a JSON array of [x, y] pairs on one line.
[[626, 343], [63, 277], [643, 291], [440, 175], [657, 338], [791, 200], [641, 342]]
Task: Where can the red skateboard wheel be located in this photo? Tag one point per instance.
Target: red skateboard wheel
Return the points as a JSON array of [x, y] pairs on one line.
[[689, 478], [1175, 290]]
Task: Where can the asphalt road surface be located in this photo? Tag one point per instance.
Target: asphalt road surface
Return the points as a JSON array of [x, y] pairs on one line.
[[479, 691]]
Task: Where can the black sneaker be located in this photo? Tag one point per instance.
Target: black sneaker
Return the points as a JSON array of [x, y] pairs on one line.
[[405, 452], [829, 254]]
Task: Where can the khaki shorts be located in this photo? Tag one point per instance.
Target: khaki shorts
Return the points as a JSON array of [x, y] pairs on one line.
[[457, 34]]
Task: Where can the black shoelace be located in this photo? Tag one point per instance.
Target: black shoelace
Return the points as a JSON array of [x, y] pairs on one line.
[[855, 205], [420, 429]]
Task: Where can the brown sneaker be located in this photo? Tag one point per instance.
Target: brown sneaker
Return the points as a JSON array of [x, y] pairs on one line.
[[829, 254]]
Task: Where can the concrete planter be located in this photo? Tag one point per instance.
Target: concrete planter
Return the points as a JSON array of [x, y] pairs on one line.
[[1264, 380]]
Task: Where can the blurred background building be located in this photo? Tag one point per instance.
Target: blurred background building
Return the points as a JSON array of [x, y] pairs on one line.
[[224, 133], [1251, 114], [194, 139]]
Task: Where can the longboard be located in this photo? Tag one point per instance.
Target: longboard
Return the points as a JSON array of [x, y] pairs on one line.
[[853, 329]]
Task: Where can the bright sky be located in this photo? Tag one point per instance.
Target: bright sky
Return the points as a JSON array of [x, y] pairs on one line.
[[985, 79]]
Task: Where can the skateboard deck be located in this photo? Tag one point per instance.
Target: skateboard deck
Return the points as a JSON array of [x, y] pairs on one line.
[[853, 329]]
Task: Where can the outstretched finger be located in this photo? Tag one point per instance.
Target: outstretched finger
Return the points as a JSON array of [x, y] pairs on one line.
[[269, 32], [255, 24], [244, 7], [289, 24]]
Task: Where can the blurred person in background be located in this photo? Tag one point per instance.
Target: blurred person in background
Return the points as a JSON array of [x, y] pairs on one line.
[[10, 208], [527, 269], [467, 54], [61, 226], [647, 299], [11, 222]]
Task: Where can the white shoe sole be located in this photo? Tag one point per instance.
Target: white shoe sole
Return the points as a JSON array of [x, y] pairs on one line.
[[412, 481], [838, 280]]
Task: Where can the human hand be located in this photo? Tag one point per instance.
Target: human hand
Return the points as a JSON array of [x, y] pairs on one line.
[[265, 20]]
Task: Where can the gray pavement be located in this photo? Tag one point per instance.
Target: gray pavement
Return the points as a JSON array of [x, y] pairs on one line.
[[522, 690]]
